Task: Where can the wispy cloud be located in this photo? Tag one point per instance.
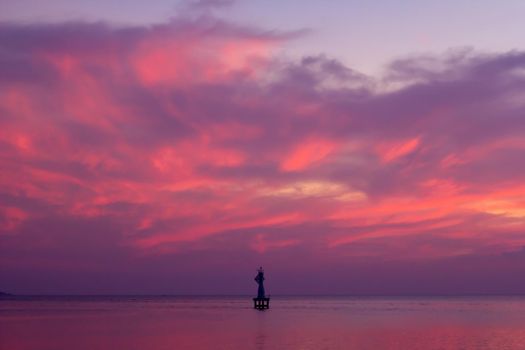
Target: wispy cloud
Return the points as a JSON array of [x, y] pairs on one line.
[[192, 139]]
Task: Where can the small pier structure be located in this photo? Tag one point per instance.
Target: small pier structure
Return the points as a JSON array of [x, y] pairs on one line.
[[261, 302]]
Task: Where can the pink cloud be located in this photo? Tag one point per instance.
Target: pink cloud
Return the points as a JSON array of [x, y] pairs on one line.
[[390, 152], [306, 154], [190, 141]]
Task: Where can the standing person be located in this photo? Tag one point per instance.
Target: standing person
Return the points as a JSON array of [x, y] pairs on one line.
[[260, 281]]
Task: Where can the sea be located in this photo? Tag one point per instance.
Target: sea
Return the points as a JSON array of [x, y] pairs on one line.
[[292, 322]]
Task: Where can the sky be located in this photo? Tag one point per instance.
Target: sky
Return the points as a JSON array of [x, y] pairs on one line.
[[174, 147]]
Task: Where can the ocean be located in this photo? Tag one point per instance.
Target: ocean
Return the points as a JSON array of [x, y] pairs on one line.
[[168, 322]]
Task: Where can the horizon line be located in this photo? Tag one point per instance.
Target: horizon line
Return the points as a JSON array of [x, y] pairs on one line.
[[7, 294]]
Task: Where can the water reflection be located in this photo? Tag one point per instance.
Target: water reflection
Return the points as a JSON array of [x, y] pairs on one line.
[[261, 333], [292, 323]]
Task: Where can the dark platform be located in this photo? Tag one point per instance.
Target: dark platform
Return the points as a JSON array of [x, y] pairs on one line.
[[261, 303]]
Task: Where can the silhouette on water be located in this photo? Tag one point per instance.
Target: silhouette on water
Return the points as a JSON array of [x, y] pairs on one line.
[[260, 281], [261, 302]]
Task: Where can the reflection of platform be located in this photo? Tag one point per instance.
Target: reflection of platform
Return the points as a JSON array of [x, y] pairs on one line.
[[261, 303]]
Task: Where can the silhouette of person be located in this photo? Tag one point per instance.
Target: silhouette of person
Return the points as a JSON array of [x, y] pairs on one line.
[[260, 281]]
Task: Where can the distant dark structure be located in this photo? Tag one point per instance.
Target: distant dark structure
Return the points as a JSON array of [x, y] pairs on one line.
[[261, 302]]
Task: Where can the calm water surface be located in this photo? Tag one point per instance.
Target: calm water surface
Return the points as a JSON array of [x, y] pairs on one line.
[[60, 323]]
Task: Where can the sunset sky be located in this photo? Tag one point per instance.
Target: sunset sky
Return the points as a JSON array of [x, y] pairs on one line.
[[168, 147]]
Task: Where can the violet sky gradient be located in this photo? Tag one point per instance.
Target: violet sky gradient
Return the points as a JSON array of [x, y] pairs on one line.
[[175, 156], [365, 35]]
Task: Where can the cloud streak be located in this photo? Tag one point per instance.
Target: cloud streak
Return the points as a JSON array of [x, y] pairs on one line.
[[192, 141]]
